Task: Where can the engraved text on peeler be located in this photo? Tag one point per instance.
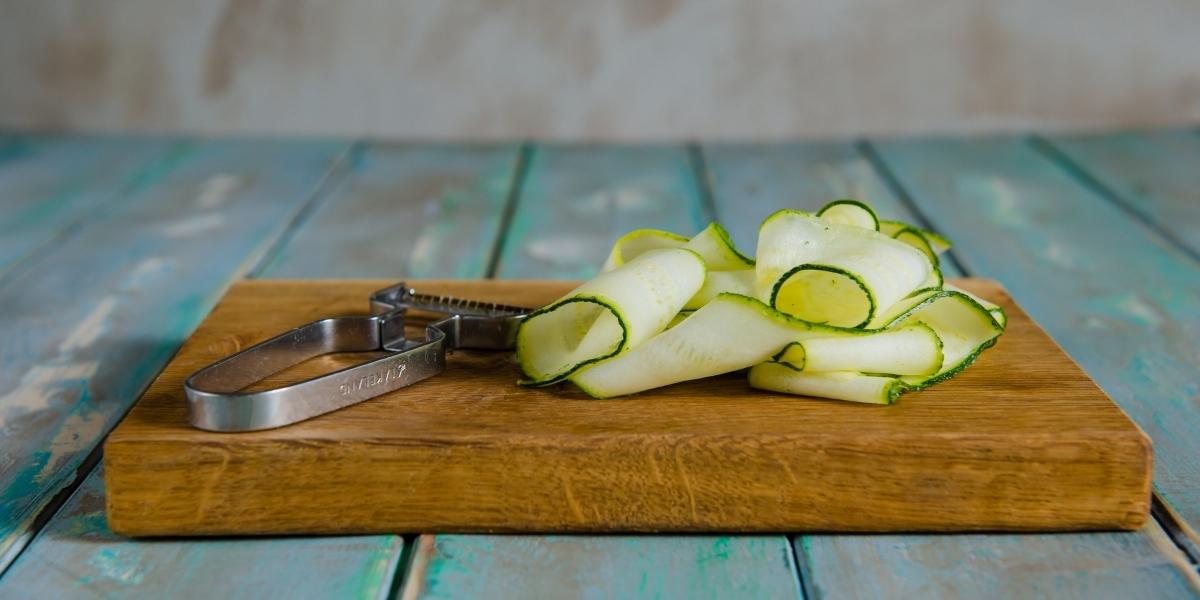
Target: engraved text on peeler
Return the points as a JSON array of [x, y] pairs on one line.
[[371, 380]]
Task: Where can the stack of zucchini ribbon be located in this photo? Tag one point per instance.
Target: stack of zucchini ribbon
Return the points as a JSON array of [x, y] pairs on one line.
[[838, 304]]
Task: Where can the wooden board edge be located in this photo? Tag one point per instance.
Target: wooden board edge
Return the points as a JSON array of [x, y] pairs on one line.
[[152, 498]]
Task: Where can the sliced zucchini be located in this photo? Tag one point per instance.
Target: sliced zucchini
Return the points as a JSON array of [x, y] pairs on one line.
[[965, 327], [729, 333], [639, 241], [723, 282], [679, 317], [938, 243], [850, 212], [997, 312], [616, 310], [831, 273], [910, 350], [839, 305], [714, 245], [913, 237], [854, 387]]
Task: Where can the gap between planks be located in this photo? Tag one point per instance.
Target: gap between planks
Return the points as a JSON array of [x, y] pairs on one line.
[[516, 184], [337, 173], [1085, 178]]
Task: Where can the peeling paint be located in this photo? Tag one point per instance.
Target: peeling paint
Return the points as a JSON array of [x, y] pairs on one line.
[[40, 386], [91, 326], [217, 189], [193, 226], [116, 566]]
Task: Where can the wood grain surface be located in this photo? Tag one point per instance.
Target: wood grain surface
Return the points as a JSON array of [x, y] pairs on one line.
[[473, 452]]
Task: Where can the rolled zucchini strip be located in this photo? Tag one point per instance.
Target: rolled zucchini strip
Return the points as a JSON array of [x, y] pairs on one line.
[[638, 242], [723, 282], [997, 312], [913, 237], [729, 333], [599, 319], [965, 327], [714, 245], [850, 212], [937, 242], [824, 272], [854, 387], [910, 350]]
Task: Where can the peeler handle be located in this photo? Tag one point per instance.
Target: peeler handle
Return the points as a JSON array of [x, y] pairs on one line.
[[215, 402]]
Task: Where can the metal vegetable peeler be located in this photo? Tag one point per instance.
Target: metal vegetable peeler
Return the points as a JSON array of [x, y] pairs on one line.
[[216, 404]]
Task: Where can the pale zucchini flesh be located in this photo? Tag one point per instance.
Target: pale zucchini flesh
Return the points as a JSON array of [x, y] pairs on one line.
[[833, 273], [639, 241], [909, 350], [838, 305], [849, 386], [614, 311], [850, 212], [728, 334]]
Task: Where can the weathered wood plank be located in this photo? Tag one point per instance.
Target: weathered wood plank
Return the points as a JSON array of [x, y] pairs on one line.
[[47, 184], [89, 322], [756, 180], [1122, 300], [77, 556], [576, 200], [1156, 175], [751, 181], [1144, 564], [406, 210], [519, 567]]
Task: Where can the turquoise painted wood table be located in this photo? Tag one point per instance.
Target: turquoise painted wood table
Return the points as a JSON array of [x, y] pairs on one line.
[[113, 249]]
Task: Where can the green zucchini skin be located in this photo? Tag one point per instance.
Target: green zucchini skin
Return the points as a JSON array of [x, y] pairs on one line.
[[862, 209], [765, 314]]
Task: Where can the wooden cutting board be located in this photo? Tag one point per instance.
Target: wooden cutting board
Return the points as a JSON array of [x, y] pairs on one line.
[[1023, 440]]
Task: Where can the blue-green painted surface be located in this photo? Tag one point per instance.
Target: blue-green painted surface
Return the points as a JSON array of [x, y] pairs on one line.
[[1123, 301], [405, 210], [1156, 175], [1091, 566], [77, 556], [50, 185], [576, 200], [88, 322], [751, 181], [600, 567]]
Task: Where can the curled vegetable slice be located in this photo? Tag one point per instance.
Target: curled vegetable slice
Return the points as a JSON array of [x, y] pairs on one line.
[[836, 385], [909, 350], [838, 305], [831, 273], [850, 212], [614, 311]]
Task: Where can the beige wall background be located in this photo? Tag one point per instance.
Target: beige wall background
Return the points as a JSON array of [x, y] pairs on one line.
[[631, 70]]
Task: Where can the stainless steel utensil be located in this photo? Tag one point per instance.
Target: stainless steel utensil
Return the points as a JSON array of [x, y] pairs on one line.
[[216, 403]]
